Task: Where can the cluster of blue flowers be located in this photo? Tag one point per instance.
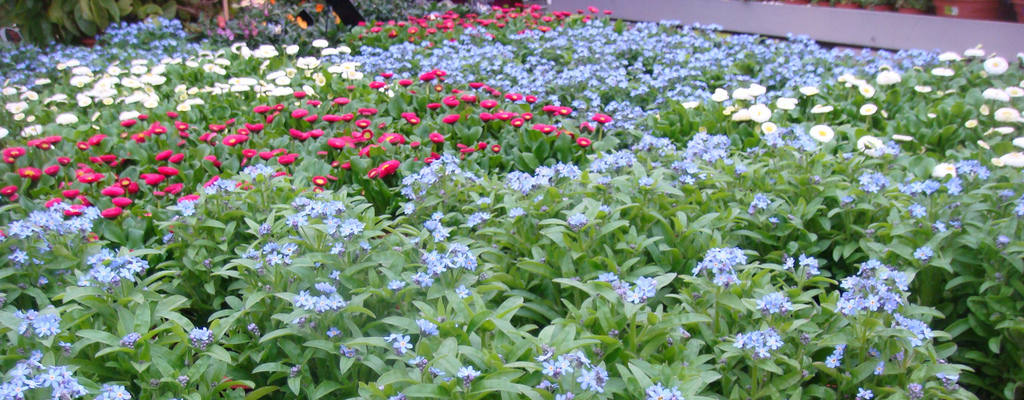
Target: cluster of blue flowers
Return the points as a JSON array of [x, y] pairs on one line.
[[417, 184], [43, 325], [873, 182], [774, 303], [835, 359], [762, 342], [107, 269], [643, 288], [30, 374], [721, 262], [327, 300], [660, 392], [524, 182], [809, 264], [201, 338], [876, 286], [273, 254]]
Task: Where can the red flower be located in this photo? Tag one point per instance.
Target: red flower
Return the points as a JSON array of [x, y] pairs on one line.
[[52, 170], [582, 141], [175, 159], [287, 159], [544, 128], [128, 123], [451, 118], [8, 190], [518, 122], [496, 148], [254, 127], [299, 113], [319, 181], [69, 194], [32, 173], [152, 179], [167, 171], [111, 213], [121, 201], [213, 159], [341, 101], [436, 137], [331, 118], [367, 111], [232, 140], [112, 191], [389, 167], [601, 118], [63, 160], [299, 94], [488, 104], [174, 189], [363, 123], [404, 82], [450, 101], [377, 84]]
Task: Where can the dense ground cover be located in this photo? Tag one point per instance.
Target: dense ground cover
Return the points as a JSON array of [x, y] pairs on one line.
[[510, 205]]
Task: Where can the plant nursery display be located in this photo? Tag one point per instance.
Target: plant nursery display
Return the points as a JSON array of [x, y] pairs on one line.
[[514, 204]]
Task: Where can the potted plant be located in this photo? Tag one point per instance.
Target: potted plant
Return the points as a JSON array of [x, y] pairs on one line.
[[912, 6], [877, 5], [971, 9], [851, 4]]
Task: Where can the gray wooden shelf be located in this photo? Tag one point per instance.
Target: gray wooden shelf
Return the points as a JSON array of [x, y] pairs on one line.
[[877, 29]]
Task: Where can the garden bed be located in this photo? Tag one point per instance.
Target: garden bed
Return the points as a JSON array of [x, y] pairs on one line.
[[864, 28], [520, 204]]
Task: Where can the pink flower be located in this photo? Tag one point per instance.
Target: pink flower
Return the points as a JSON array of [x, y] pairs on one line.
[[451, 118]]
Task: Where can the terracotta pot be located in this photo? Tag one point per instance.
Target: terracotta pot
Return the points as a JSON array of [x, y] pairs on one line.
[[88, 42], [797, 2], [851, 6], [972, 9], [881, 7], [906, 10]]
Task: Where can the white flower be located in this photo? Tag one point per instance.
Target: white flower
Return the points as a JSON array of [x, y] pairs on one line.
[[866, 90], [4, 132], [1007, 114], [191, 64], [66, 119], [943, 170], [291, 50], [720, 95], [847, 77], [57, 98], [127, 115], [942, 71], [81, 71], [997, 162], [756, 90], [329, 52], [138, 69], [742, 114], [30, 95], [785, 103], [319, 79], [320, 43], [902, 138], [282, 81], [131, 83], [307, 62], [888, 77], [742, 94], [151, 102], [922, 89], [868, 109], [984, 110], [83, 100], [15, 108], [809, 90], [1019, 142], [1014, 91], [995, 94], [822, 133], [281, 91], [821, 109], [871, 146], [760, 113], [1004, 130], [114, 70], [971, 123], [32, 130], [996, 66], [9, 91], [153, 80], [43, 81], [265, 51], [984, 145], [80, 80], [1015, 159], [19, 116], [769, 127], [344, 49], [690, 105], [183, 107], [975, 52]]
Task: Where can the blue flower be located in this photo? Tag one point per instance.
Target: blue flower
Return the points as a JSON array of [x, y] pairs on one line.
[[400, 343], [659, 392], [113, 392], [462, 292], [130, 339], [200, 337], [864, 394], [427, 328], [467, 374], [762, 342], [924, 253], [721, 261], [774, 303], [593, 379]]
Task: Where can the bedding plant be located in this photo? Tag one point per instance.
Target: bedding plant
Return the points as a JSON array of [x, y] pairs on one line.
[[509, 205]]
